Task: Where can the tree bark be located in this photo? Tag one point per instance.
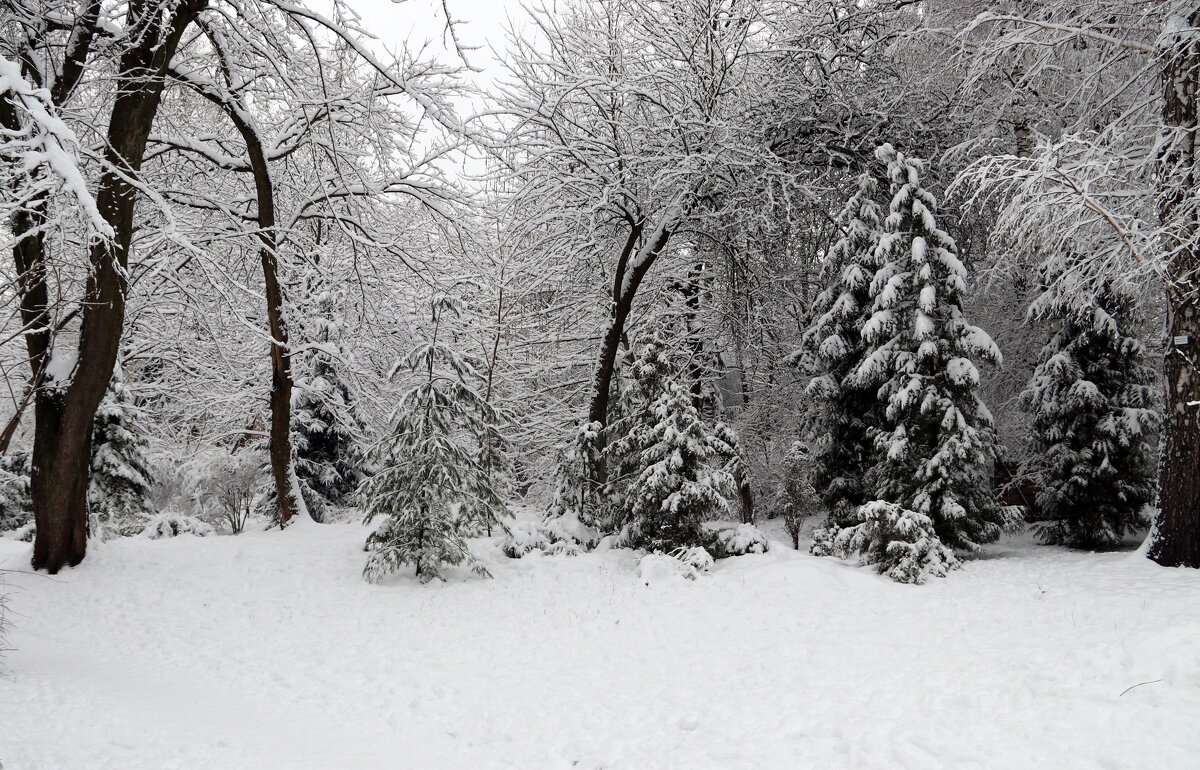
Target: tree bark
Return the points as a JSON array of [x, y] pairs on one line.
[[624, 290], [29, 252], [1177, 532], [64, 412]]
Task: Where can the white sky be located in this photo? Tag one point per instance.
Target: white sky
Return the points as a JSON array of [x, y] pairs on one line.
[[483, 27], [416, 21]]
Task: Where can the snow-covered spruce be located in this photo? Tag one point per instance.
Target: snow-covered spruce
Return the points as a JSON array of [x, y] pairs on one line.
[[832, 349], [121, 473], [427, 473], [1094, 421], [936, 446], [577, 504], [683, 467], [898, 542], [327, 428]]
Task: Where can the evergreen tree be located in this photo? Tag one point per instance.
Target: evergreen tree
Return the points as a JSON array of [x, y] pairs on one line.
[[795, 496], [683, 467], [840, 428], [496, 467], [428, 467], [327, 429], [16, 503], [577, 503], [121, 476], [1091, 398], [936, 447], [898, 542]]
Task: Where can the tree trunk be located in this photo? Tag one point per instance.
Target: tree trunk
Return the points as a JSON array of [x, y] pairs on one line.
[[281, 358], [29, 223], [65, 411], [1177, 531], [280, 437], [623, 294]]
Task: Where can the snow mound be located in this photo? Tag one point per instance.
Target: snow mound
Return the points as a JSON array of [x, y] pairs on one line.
[[164, 525]]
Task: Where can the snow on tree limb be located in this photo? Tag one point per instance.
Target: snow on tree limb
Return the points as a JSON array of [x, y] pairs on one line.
[[46, 142]]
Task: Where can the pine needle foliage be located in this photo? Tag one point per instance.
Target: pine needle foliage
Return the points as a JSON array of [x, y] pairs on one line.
[[119, 488], [428, 468], [684, 467], [936, 447], [1094, 421], [840, 430]]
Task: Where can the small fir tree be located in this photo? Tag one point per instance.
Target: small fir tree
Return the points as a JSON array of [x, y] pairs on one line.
[[1091, 398], [840, 428], [16, 502], [899, 543], [427, 469], [119, 487], [684, 467], [796, 497], [496, 466], [579, 505], [937, 446]]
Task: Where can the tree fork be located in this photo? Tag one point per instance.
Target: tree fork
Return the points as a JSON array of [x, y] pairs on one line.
[[64, 414]]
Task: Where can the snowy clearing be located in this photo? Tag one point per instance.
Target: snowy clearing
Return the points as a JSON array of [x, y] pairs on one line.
[[269, 650]]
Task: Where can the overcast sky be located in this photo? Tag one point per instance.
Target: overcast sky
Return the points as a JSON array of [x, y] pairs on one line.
[[484, 23]]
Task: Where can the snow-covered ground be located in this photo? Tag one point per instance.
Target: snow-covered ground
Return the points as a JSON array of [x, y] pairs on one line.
[[268, 650]]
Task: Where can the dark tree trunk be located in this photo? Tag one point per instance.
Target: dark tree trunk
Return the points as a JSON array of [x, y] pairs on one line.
[[64, 413], [280, 435], [1177, 533], [29, 222], [746, 498], [624, 290]]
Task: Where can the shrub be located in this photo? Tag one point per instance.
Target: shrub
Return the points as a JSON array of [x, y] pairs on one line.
[[900, 543], [221, 486], [738, 541], [686, 563], [526, 537], [164, 525]]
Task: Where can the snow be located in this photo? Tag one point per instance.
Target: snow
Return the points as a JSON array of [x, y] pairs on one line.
[[268, 650], [52, 142]]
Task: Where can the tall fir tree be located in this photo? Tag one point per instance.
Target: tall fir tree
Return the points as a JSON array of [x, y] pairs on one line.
[[121, 473], [840, 427], [427, 470], [680, 468], [1094, 422], [327, 427], [936, 447]]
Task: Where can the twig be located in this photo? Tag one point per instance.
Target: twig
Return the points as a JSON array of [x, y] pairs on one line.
[[1139, 684]]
